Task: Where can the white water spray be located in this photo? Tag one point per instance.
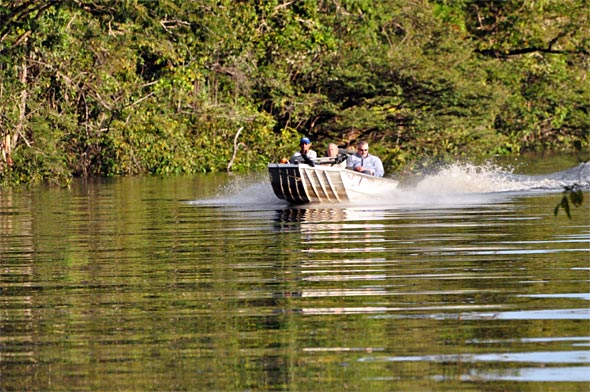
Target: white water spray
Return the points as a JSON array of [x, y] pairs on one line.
[[454, 184]]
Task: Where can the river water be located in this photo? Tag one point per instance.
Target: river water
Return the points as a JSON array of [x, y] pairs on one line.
[[464, 280]]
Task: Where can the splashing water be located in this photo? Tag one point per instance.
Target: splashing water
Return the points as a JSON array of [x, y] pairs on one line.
[[455, 184], [252, 189], [468, 178], [464, 178]]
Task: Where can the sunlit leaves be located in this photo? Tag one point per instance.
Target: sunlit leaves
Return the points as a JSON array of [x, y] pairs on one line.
[[163, 86]]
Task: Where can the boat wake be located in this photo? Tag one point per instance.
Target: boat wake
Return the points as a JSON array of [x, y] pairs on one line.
[[467, 178], [249, 190], [454, 184]]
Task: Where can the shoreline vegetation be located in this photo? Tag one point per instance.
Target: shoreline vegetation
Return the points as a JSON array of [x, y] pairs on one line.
[[116, 88]]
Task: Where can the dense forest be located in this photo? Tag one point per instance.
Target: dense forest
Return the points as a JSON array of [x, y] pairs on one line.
[[128, 87]]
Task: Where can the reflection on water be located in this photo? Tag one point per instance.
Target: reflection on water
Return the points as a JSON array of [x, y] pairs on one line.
[[132, 284], [546, 357], [552, 374]]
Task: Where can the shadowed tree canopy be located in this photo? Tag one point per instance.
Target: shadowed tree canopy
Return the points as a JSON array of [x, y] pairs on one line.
[[103, 88]]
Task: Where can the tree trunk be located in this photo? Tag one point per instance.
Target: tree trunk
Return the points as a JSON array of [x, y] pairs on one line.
[[9, 140]]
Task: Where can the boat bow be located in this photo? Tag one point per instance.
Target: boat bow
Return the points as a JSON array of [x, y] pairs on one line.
[[302, 183]]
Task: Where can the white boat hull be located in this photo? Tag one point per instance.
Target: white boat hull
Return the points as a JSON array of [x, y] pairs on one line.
[[301, 184]]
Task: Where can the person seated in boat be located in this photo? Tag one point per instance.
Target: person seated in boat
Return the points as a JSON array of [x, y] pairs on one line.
[[364, 162], [333, 152], [305, 154]]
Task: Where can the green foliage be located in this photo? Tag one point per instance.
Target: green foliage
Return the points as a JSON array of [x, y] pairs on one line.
[[164, 87], [571, 194]]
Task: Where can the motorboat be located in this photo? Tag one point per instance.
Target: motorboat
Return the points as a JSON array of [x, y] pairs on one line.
[[324, 181]]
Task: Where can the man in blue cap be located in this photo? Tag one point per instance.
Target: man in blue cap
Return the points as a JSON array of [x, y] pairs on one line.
[[305, 153]]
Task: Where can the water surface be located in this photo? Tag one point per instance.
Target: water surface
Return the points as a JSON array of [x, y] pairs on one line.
[[462, 280]]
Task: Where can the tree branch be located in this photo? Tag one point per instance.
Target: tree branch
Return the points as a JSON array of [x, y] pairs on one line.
[[236, 146], [498, 53]]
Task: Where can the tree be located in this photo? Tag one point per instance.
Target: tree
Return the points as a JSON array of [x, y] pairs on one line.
[[96, 87]]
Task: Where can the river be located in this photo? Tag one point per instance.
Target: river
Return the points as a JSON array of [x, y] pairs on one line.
[[463, 280]]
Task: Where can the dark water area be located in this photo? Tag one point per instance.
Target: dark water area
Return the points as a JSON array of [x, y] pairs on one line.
[[463, 280]]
